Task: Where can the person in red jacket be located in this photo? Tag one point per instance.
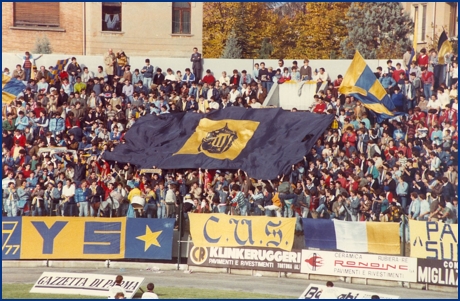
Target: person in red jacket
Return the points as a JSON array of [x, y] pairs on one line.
[[208, 78], [349, 136], [448, 115], [320, 107], [423, 59], [428, 82], [396, 73], [18, 136]]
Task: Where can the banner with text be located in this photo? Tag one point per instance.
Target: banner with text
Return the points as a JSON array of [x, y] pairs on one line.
[[220, 230], [437, 272], [344, 264], [84, 284], [315, 291], [273, 260], [433, 240], [86, 238]]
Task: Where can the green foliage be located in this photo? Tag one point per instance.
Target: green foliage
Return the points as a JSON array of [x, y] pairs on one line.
[[300, 29], [377, 30], [42, 45], [266, 49], [232, 49]]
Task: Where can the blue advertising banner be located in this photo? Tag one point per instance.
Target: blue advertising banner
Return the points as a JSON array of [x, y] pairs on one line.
[[11, 238], [148, 238]]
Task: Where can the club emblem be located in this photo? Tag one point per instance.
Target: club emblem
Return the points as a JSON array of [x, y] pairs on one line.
[[219, 141]]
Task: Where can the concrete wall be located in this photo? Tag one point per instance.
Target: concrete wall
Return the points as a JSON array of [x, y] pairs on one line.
[[68, 39], [333, 67], [146, 30]]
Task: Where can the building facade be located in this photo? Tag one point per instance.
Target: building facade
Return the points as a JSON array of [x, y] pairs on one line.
[[158, 29], [432, 18]]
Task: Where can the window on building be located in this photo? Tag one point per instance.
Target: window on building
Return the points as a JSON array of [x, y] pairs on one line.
[[181, 18], [111, 16], [423, 23], [43, 14], [453, 19], [417, 20]]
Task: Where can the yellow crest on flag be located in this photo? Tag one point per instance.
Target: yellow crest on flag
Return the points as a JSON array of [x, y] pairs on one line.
[[219, 139]]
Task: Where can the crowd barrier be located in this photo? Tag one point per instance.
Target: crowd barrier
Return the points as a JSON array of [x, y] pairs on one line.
[[249, 243]]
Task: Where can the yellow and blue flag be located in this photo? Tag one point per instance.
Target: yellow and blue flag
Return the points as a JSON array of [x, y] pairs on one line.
[[360, 82], [444, 47], [263, 142], [413, 57], [60, 65], [11, 88]]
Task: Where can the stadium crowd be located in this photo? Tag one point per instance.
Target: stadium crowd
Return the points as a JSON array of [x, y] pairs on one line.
[[55, 133]]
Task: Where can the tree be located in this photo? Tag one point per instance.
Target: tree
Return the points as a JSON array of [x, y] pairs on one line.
[[317, 33], [232, 50], [377, 30], [42, 45], [252, 21], [266, 49]]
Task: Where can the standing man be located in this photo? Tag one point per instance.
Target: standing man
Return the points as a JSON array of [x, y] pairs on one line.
[[197, 65], [109, 61], [68, 193]]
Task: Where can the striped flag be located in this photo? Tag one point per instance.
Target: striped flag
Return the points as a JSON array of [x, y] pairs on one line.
[[11, 88], [60, 65]]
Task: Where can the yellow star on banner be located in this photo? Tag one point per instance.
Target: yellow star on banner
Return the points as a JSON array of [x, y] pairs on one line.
[[150, 238]]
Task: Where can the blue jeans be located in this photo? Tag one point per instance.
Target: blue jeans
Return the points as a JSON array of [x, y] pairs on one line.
[[120, 71], [269, 86], [27, 74], [11, 208], [70, 209], [72, 80], [427, 91], [265, 85], [298, 226], [321, 208], [161, 211], [287, 209], [222, 209], [244, 210], [150, 210], [84, 209], [403, 202], [269, 212], [147, 81]]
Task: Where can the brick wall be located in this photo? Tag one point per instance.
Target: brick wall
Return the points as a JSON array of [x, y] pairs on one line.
[[70, 41]]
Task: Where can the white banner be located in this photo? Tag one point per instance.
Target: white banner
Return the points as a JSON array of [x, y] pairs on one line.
[[316, 291], [84, 284], [384, 267]]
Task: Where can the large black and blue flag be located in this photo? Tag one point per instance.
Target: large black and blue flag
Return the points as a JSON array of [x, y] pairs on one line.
[[262, 142], [360, 82]]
